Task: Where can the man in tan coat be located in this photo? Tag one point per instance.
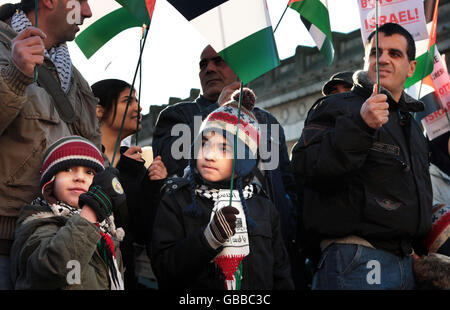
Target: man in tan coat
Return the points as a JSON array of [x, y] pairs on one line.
[[31, 118]]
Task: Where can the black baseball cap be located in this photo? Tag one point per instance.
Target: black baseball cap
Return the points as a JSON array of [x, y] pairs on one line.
[[340, 77]]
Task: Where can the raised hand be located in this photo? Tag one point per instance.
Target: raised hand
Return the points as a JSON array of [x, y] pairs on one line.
[[157, 170], [134, 152], [375, 111], [105, 194], [223, 223], [227, 91], [27, 50]]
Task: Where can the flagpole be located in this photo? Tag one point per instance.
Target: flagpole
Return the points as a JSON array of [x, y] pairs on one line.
[[36, 11], [282, 15], [144, 34], [377, 52], [235, 143], [129, 99]]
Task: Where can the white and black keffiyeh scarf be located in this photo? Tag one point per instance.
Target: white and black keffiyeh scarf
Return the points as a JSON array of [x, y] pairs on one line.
[[59, 55], [211, 193]]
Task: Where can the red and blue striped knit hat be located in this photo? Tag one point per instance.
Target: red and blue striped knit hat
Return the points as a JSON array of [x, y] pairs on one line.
[[69, 152], [224, 120]]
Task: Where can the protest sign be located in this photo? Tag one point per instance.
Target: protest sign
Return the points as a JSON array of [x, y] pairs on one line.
[[408, 13]]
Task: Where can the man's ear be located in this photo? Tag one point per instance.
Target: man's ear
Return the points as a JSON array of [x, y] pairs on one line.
[[50, 4], [412, 67], [100, 111]]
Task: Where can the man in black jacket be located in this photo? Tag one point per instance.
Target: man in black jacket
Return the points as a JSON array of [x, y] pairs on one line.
[[362, 162], [186, 117]]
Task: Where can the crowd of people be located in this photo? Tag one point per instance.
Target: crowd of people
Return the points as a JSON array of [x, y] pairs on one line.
[[362, 203]]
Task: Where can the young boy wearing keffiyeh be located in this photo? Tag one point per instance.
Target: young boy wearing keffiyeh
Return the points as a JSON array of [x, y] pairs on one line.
[[67, 239], [200, 241]]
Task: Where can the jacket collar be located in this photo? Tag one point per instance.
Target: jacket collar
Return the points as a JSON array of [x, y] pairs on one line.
[[363, 86], [202, 101]]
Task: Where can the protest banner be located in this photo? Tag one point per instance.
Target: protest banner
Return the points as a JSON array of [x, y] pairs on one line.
[[408, 13]]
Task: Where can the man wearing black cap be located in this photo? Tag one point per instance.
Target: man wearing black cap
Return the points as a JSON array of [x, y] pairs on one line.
[[338, 83]]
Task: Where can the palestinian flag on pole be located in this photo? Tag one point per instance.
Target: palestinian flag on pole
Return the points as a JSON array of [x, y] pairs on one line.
[[431, 90], [239, 30], [425, 51], [134, 13], [314, 15], [141, 9]]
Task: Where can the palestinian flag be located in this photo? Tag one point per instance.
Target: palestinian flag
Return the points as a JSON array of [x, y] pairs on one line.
[[141, 9], [425, 50], [239, 30], [134, 13], [314, 15]]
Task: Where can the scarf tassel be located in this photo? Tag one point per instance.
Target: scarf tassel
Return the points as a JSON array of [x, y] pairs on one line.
[[106, 247], [229, 264]]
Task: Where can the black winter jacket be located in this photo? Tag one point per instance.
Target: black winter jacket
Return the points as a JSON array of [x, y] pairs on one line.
[[279, 183], [356, 180], [181, 255], [143, 196]]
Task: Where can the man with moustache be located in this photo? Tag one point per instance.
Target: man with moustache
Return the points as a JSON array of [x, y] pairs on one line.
[[362, 162], [37, 113]]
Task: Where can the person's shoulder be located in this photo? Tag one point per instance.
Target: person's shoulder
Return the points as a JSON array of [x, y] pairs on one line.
[[412, 104], [335, 103], [174, 185], [179, 106], [36, 213], [263, 115], [7, 31], [339, 98], [260, 198], [180, 111]]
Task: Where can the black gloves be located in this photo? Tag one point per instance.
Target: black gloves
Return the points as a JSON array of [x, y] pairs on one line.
[[223, 223], [105, 194]]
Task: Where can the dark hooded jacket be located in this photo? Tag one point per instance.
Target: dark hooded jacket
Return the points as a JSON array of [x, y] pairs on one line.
[[359, 181], [278, 183], [182, 257]]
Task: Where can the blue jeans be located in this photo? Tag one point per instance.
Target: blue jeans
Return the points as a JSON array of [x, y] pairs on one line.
[[356, 267], [5, 273]]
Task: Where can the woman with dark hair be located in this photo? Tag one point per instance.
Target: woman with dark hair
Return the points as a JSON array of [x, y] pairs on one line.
[[113, 95], [142, 186]]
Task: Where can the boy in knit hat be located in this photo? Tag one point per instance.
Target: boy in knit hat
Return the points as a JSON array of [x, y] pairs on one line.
[[67, 239], [203, 239]]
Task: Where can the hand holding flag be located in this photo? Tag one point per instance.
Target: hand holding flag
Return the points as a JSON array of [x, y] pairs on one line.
[[227, 91], [27, 50], [374, 111]]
